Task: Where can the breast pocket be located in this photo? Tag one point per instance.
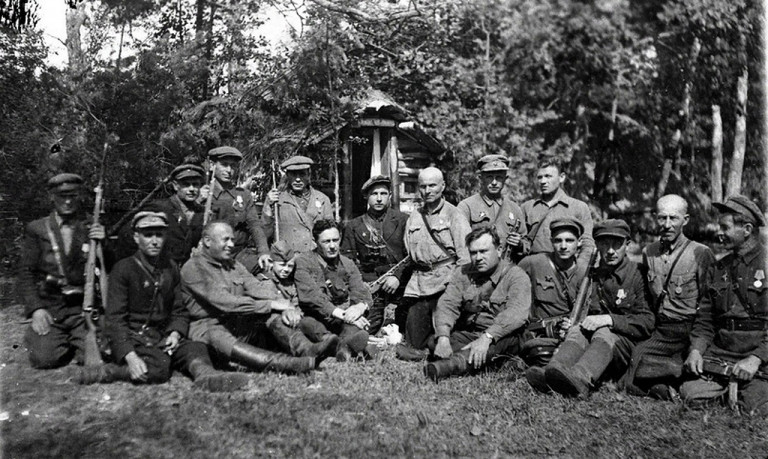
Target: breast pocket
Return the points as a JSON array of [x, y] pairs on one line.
[[442, 231], [477, 218]]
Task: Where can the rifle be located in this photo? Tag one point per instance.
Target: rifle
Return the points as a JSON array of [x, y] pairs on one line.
[[375, 285], [92, 353], [276, 209], [209, 200], [114, 229], [724, 369], [581, 305], [507, 253]]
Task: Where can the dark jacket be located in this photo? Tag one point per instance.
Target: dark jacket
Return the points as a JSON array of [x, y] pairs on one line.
[[359, 246]]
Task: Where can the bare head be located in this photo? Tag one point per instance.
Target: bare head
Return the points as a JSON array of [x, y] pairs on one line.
[[431, 185], [219, 241], [671, 217]]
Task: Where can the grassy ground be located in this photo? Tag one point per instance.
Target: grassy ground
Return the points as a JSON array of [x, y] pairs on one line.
[[380, 408]]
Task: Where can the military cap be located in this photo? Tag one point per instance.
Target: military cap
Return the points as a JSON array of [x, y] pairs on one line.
[[376, 180], [567, 223], [146, 219], [281, 251], [296, 163], [489, 163], [611, 227], [225, 152], [64, 182], [744, 206], [187, 170]]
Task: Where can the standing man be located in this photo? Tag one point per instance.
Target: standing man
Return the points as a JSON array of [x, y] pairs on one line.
[[555, 278], [618, 318], [299, 206], [235, 206], [552, 204], [226, 306], [732, 324], [483, 310], [435, 239], [52, 277], [491, 207], [146, 322], [375, 241], [676, 269], [332, 293]]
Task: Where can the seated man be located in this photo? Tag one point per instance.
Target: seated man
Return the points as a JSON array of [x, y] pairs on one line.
[[51, 276], [483, 310], [555, 278], [145, 320], [618, 317], [732, 323], [332, 293], [224, 301]]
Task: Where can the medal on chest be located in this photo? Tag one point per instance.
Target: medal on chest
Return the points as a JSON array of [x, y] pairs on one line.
[[620, 295], [238, 203], [482, 215], [318, 204], [759, 276]]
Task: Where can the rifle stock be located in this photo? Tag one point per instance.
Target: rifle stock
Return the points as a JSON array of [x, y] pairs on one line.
[[581, 305], [209, 199], [276, 208], [375, 285], [724, 369]]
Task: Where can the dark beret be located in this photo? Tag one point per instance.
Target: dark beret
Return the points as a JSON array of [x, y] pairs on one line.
[[376, 180], [744, 206], [567, 223], [225, 152], [65, 182], [612, 227]]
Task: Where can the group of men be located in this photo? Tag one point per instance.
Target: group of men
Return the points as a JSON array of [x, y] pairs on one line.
[[471, 284]]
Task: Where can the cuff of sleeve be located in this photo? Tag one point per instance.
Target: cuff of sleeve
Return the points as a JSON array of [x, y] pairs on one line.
[[619, 323], [698, 344], [442, 330], [121, 350], [494, 331], [183, 329], [762, 353]]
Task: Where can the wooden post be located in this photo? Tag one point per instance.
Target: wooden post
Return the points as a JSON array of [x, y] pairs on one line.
[[376, 153], [394, 175], [740, 136]]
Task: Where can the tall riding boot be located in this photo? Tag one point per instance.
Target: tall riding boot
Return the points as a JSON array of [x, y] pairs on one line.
[[105, 373], [262, 360], [576, 380], [294, 341], [456, 364], [595, 360], [567, 354], [208, 378]]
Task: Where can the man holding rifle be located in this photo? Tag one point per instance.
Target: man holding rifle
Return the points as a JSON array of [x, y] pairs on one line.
[[52, 276], [374, 241], [732, 324]]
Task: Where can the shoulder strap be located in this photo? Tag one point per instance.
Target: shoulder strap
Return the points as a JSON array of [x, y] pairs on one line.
[[674, 264], [562, 283], [437, 241], [55, 247], [537, 226]]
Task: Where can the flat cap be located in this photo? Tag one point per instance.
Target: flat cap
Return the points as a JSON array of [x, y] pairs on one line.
[[744, 206], [376, 180], [281, 251], [567, 223], [146, 219], [489, 163], [65, 182], [612, 227], [225, 152], [187, 170], [296, 163]]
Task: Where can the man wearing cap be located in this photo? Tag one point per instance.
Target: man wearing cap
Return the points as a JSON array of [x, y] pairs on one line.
[[52, 277], [732, 324], [675, 268], [227, 307], [555, 280], [554, 203], [491, 207], [299, 206], [483, 310], [618, 317], [185, 215], [375, 241], [332, 293], [435, 239], [146, 321], [234, 205]]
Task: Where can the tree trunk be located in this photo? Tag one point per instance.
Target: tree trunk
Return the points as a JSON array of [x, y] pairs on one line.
[[740, 136], [681, 135], [75, 18], [716, 168]]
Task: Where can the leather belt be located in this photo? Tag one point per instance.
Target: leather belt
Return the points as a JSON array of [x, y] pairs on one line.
[[422, 266], [743, 324]]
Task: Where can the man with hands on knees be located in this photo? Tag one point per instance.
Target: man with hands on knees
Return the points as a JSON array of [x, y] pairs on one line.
[[332, 293], [52, 277], [146, 321], [482, 312], [731, 327]]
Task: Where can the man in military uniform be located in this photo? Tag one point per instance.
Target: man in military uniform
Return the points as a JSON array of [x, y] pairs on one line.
[[555, 280], [146, 322], [226, 305], [618, 317], [299, 207], [51, 278], [732, 324], [332, 293], [552, 204], [435, 239], [483, 310], [676, 268], [375, 241], [491, 207], [235, 206]]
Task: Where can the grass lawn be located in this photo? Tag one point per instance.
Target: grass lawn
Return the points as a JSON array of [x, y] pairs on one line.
[[380, 408]]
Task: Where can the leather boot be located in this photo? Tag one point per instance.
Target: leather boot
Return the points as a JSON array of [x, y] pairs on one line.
[[208, 378], [571, 382], [596, 359], [456, 364], [568, 353], [105, 373], [262, 360], [537, 379], [294, 341]]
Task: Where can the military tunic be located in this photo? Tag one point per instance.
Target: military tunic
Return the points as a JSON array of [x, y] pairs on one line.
[[296, 221], [236, 207], [504, 214]]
